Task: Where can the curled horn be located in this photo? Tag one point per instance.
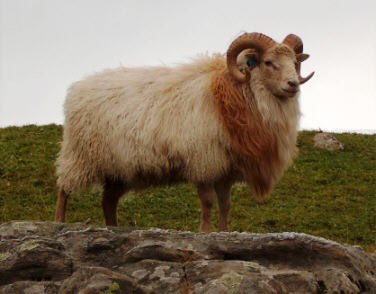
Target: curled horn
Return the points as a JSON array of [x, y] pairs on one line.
[[295, 43], [256, 41]]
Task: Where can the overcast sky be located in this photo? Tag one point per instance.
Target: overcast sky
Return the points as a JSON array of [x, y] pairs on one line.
[[45, 45]]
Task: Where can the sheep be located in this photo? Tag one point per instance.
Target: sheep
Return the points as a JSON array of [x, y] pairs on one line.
[[221, 119]]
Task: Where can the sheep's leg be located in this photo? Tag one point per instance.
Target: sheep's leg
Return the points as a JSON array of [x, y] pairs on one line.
[[111, 194], [61, 206], [206, 194], [223, 190]]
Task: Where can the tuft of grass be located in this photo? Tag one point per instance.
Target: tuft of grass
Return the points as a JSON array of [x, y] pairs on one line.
[[327, 194]]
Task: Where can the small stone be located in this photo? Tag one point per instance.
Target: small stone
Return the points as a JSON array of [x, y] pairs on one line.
[[327, 141]]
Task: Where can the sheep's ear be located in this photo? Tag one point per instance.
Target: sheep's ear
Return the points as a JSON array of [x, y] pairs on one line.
[[252, 60], [301, 57]]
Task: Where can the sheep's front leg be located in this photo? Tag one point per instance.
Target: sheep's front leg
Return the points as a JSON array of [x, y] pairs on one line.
[[61, 206], [206, 194], [111, 194], [223, 190]]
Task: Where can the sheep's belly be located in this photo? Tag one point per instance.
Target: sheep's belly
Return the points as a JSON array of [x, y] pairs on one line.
[[147, 167]]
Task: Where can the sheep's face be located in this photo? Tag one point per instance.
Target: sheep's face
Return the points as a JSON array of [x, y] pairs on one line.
[[276, 69]]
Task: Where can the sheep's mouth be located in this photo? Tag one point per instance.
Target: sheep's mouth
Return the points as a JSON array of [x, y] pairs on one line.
[[290, 91]]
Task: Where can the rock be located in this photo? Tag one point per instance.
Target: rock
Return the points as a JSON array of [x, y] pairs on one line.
[[327, 141], [42, 257]]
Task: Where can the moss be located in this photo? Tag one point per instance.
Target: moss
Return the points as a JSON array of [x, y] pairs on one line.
[[5, 255], [253, 265], [24, 226], [113, 288], [29, 245], [230, 280]]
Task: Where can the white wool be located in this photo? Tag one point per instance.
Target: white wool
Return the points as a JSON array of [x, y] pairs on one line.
[[125, 121], [282, 117], [131, 124]]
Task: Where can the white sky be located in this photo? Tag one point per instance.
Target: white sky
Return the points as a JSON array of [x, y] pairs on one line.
[[45, 45]]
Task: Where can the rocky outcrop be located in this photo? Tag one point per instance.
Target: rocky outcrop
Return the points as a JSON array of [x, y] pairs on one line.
[[42, 257], [327, 141]]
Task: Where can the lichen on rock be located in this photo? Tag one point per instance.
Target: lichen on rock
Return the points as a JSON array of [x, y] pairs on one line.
[[42, 257]]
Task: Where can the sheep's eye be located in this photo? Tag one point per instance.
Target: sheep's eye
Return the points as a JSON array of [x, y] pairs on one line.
[[269, 63]]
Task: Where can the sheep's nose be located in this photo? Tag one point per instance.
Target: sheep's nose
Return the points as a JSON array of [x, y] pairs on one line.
[[293, 84]]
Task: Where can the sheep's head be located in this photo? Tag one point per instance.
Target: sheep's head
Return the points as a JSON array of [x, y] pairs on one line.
[[277, 65]]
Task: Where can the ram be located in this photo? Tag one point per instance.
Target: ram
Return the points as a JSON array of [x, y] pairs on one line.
[[215, 121]]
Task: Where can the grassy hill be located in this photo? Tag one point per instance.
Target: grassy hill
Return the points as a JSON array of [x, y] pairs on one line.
[[327, 194]]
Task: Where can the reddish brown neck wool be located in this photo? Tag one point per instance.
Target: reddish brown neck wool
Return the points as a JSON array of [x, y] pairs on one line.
[[252, 140]]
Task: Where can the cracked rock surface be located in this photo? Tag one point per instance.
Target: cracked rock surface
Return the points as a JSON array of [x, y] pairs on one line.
[[43, 257]]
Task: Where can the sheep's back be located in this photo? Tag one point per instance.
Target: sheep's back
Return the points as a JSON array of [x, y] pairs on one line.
[[146, 123]]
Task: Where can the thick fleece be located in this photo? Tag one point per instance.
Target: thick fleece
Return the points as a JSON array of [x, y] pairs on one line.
[[190, 123]]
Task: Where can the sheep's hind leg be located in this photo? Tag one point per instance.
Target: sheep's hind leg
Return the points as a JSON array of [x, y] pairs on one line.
[[112, 192], [206, 194], [61, 206], [223, 190]]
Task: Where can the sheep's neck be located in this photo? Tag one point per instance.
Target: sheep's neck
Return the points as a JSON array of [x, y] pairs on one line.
[[253, 142]]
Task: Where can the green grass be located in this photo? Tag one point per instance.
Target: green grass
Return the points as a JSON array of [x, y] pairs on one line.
[[327, 194]]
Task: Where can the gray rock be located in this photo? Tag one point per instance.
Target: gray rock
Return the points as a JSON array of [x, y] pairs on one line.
[[327, 141], [42, 257]]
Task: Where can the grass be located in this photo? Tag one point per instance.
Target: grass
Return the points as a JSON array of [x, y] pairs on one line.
[[327, 194]]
